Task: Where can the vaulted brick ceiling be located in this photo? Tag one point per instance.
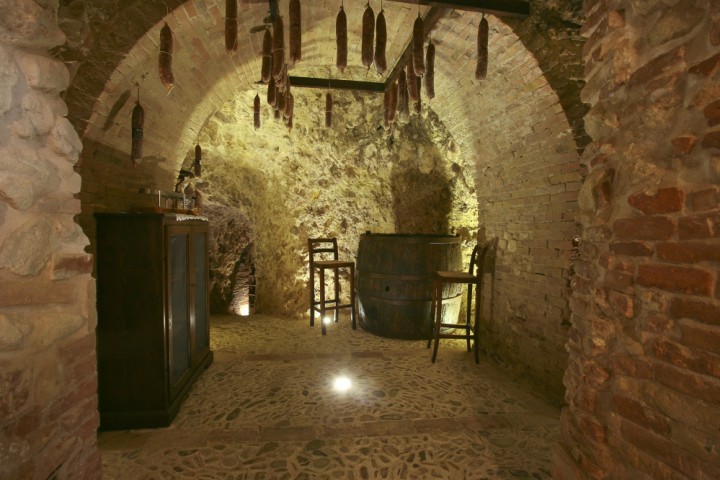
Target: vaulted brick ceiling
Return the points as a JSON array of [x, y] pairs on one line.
[[533, 76]]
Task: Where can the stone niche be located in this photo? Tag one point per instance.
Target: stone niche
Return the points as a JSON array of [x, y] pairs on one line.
[[268, 190]]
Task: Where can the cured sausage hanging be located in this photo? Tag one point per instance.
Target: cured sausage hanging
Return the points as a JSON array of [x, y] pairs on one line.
[[266, 69], [368, 32], [278, 51], [430, 71], [341, 39], [328, 110], [295, 32], [272, 92], [197, 165], [138, 120], [289, 105], [165, 58], [386, 109], [482, 50], [380, 43], [231, 26], [418, 102], [392, 107], [418, 46], [256, 111], [411, 79]]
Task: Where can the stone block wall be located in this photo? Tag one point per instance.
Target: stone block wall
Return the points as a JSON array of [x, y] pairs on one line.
[[643, 381], [48, 400]]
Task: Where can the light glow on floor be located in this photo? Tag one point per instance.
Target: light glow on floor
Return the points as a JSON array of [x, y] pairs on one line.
[[342, 384]]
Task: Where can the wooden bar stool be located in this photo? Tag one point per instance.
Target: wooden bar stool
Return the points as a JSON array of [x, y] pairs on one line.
[[470, 278], [318, 246]]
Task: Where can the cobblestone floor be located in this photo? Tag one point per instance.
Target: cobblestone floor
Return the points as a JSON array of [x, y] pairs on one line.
[[266, 409]]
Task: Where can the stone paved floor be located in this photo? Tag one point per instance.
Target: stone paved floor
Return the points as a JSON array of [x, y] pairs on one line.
[[266, 409]]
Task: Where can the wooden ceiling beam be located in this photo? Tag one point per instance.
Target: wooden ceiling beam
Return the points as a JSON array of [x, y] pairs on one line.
[[500, 8], [336, 84]]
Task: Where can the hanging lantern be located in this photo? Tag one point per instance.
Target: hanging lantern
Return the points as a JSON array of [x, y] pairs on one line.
[[482, 50], [231, 26], [295, 32], [165, 57], [341, 39], [197, 165]]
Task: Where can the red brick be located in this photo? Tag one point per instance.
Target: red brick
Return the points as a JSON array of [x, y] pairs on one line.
[[622, 304], [703, 200], [675, 279], [617, 280], [700, 386], [632, 249], [688, 252], [641, 414], [689, 308], [700, 335], [707, 67], [712, 113], [683, 357], [631, 366], [711, 140], [644, 228], [593, 429], [699, 226], [666, 200], [683, 144], [657, 323], [660, 66]]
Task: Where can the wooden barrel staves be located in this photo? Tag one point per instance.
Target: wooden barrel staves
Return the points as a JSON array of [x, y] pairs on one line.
[[394, 280]]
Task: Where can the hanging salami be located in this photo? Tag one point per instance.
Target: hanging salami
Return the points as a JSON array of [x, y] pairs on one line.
[[271, 92], [266, 69], [403, 104], [165, 58], [392, 108], [418, 40], [278, 50], [430, 71], [138, 120], [256, 111], [411, 79], [368, 33], [295, 32], [380, 43], [231, 26], [418, 102], [386, 109], [197, 165], [341, 39], [482, 50]]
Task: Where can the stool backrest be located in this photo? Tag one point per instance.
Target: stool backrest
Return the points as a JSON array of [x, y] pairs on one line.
[[322, 245], [477, 259]]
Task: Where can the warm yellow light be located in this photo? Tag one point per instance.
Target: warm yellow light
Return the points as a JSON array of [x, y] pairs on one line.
[[245, 310], [327, 320], [342, 384]]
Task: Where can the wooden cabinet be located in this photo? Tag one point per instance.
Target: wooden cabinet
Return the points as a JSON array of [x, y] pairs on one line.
[[153, 333]]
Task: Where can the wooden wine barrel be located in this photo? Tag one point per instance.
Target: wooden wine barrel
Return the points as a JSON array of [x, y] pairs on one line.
[[394, 279]]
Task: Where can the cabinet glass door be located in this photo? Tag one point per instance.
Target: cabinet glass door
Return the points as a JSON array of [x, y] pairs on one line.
[[200, 292], [179, 334]]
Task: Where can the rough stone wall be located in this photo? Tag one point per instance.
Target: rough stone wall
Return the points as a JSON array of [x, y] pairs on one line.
[[643, 382], [48, 401], [315, 182]]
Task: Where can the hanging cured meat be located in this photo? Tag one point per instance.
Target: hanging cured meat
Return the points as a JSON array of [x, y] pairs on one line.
[[165, 58], [341, 39], [328, 110], [430, 71], [418, 102], [386, 109], [482, 50], [418, 40], [295, 32], [138, 120], [278, 50], [231, 26], [380, 43], [266, 69], [197, 165], [411, 79], [289, 105], [256, 111], [281, 99], [272, 91], [368, 33]]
